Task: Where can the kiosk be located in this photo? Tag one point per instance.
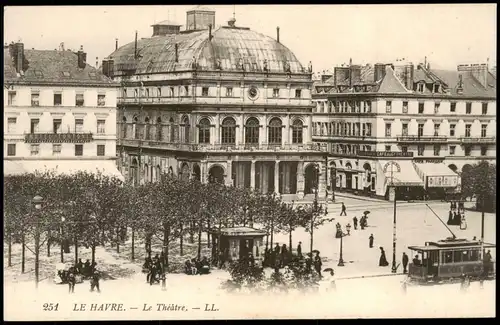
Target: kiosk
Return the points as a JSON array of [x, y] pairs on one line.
[[232, 244]]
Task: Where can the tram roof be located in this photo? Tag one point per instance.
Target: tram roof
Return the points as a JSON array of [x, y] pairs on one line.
[[470, 244], [240, 232]]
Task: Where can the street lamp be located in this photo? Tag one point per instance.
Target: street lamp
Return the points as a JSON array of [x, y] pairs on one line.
[[37, 201], [341, 259]]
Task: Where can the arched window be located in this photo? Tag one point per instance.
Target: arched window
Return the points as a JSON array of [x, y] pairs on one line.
[[146, 126], [159, 129], [146, 173], [297, 127], [204, 132], [275, 131], [187, 127], [252, 131], [136, 127], [172, 130], [124, 128], [228, 131]]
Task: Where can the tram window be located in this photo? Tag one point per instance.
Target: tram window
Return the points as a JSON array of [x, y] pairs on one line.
[[447, 257], [466, 256], [474, 255], [457, 256]]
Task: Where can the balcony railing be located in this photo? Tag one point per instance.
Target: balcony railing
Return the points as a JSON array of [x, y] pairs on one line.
[[422, 138], [218, 147], [69, 137], [478, 139], [156, 100]]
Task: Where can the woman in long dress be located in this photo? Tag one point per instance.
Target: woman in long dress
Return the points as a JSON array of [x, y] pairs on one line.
[[383, 259], [463, 223]]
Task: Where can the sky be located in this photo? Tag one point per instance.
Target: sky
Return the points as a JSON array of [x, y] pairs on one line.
[[327, 35]]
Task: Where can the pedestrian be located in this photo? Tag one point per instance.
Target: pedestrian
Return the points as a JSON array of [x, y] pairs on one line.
[[79, 266], [283, 256], [405, 262], [94, 281], [318, 263], [71, 282], [355, 222], [362, 223], [333, 286], [370, 241], [299, 249], [450, 218], [348, 228], [343, 210], [383, 259], [86, 268], [463, 223]]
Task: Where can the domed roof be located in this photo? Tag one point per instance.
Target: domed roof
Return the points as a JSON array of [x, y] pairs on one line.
[[229, 46]]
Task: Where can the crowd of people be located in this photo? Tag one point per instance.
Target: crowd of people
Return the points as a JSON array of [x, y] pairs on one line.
[[456, 215], [195, 266], [155, 270], [79, 272]]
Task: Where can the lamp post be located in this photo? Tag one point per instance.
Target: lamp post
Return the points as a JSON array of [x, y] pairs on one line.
[[341, 259], [37, 201], [333, 180], [62, 239], [315, 203]]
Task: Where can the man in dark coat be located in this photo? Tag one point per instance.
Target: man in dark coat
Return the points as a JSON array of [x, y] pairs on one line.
[[370, 241], [86, 268], [405, 262], [355, 222], [317, 264], [343, 209], [79, 266], [299, 249], [276, 255], [94, 281], [71, 281]]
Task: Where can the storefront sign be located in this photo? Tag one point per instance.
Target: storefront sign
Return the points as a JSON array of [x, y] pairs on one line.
[[430, 161], [386, 154], [392, 165], [442, 181]]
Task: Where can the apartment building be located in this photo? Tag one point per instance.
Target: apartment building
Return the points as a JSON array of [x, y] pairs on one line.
[[425, 125], [59, 113]]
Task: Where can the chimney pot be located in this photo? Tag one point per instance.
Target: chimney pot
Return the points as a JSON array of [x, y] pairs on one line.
[[82, 58], [116, 44], [176, 52], [209, 32], [278, 34]]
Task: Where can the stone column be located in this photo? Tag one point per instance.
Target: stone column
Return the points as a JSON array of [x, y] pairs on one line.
[[216, 138], [300, 179], [242, 130], [229, 173], [286, 177], [277, 177], [264, 177], [252, 175]]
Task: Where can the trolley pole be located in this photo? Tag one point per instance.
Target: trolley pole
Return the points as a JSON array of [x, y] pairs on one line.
[[394, 268]]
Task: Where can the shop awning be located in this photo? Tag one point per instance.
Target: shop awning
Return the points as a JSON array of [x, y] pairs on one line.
[[107, 167], [405, 175], [437, 175]]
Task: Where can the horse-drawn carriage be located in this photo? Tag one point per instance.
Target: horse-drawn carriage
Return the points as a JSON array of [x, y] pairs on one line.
[[62, 271]]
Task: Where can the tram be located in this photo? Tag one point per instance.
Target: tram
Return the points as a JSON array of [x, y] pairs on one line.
[[450, 259]]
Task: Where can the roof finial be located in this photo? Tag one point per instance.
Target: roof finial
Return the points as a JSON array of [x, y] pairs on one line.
[[234, 12]]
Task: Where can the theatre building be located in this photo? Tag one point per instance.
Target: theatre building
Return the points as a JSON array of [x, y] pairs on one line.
[[59, 113], [395, 124], [223, 104]]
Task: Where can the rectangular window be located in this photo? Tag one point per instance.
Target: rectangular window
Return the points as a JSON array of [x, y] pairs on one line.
[[101, 99], [11, 149], [79, 101], [484, 150], [436, 107], [78, 149], [101, 126], [204, 91], [484, 127], [405, 129], [11, 124], [420, 87], [35, 99], [56, 149], [368, 107], [420, 149], [101, 150], [436, 88], [387, 148], [452, 150], [405, 107], [229, 92], [420, 130], [437, 149], [172, 91], [158, 91], [467, 150], [12, 98], [186, 91], [147, 92], [388, 129], [468, 108], [404, 149], [467, 130], [298, 93], [35, 123], [35, 149], [420, 108], [79, 125], [436, 129], [453, 107], [136, 92], [368, 129], [276, 93], [56, 126], [388, 106], [452, 130], [57, 99], [484, 109]]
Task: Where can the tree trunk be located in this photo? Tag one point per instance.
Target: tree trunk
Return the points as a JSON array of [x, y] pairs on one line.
[[272, 231], [181, 240], [48, 243], [208, 234], [267, 242], [133, 244], [191, 232], [199, 238], [10, 249], [290, 239], [312, 233], [23, 252], [118, 240], [76, 248], [93, 252], [167, 235], [147, 244]]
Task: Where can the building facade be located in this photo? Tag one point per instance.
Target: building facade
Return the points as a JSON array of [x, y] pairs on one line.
[[228, 105], [426, 125], [59, 113]]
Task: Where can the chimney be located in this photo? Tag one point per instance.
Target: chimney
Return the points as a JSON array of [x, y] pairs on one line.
[[278, 34], [410, 69], [135, 46], [176, 53], [209, 32], [460, 87], [379, 72], [425, 62], [480, 73], [96, 62], [82, 58], [116, 44], [19, 56]]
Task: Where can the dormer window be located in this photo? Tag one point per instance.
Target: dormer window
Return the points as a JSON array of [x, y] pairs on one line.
[[420, 87], [436, 88]]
